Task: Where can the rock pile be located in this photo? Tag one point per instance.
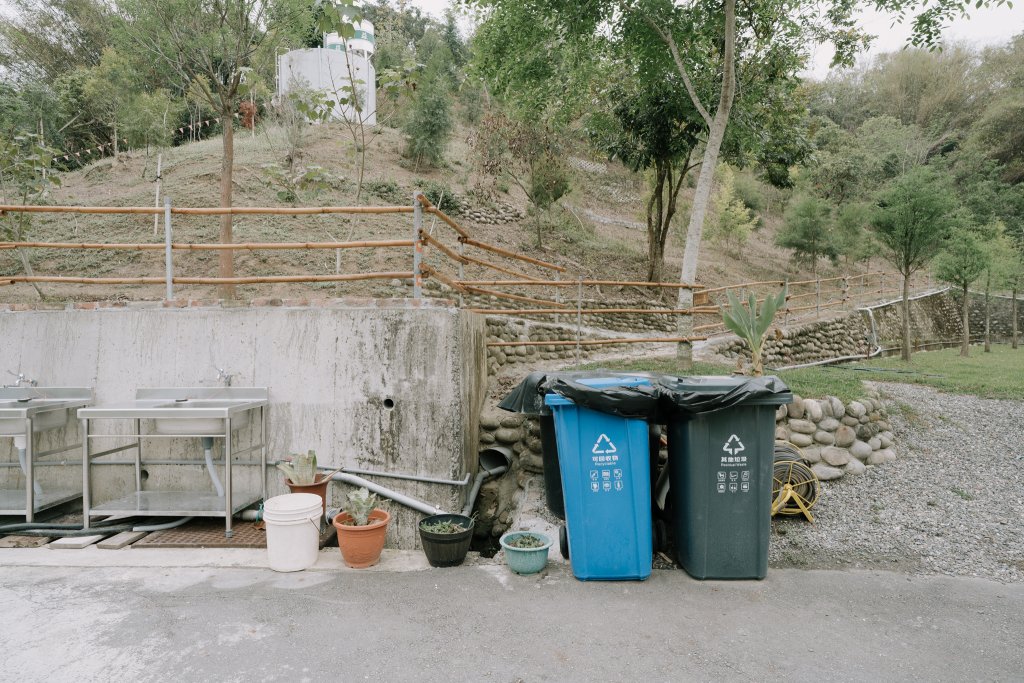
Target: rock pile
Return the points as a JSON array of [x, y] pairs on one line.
[[838, 438], [499, 213]]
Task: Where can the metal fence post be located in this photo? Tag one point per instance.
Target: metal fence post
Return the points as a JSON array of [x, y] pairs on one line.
[[579, 315], [417, 247], [168, 259], [846, 292]]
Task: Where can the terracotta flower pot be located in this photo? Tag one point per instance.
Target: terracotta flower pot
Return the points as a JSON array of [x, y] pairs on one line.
[[319, 488], [361, 545]]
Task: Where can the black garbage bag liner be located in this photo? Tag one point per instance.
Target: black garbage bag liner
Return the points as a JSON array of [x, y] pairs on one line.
[[528, 396], [666, 396], [641, 401], [694, 395]]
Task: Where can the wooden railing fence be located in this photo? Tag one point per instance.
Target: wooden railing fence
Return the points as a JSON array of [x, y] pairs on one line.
[[549, 291]]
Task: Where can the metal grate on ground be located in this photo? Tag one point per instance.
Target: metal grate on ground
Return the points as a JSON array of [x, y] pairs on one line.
[[210, 534], [206, 534]]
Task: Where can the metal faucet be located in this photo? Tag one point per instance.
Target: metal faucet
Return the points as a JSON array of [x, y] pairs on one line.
[[22, 380], [224, 376]]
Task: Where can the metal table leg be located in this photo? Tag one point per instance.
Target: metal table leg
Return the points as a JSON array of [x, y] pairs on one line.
[[30, 477], [86, 479], [227, 478]]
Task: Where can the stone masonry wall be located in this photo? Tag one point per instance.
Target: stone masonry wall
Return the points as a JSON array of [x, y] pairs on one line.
[[838, 438], [822, 340]]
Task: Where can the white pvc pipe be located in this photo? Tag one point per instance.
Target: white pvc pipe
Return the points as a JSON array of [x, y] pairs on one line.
[[208, 452], [24, 468], [161, 527]]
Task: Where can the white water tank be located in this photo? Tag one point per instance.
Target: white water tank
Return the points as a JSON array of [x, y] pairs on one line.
[[335, 71]]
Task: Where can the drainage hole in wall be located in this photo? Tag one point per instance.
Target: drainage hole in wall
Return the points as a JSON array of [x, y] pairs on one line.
[[144, 475], [389, 403]]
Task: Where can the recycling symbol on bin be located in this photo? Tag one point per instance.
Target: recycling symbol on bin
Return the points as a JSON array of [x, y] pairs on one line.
[[603, 446], [733, 445]]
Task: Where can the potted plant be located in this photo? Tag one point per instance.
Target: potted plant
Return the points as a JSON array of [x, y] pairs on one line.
[[301, 475], [361, 528], [526, 552], [446, 538]]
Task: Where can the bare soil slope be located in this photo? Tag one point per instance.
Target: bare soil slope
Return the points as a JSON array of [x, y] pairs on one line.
[[598, 234]]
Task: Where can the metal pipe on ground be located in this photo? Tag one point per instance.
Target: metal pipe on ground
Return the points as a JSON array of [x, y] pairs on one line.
[[494, 461]]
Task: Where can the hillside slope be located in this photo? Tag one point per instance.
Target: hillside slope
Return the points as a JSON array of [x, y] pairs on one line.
[[600, 234]]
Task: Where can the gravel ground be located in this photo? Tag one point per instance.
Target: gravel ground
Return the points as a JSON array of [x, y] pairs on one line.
[[952, 503]]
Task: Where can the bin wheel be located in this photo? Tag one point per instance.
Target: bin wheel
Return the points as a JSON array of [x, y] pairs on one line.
[[660, 535], [563, 542]]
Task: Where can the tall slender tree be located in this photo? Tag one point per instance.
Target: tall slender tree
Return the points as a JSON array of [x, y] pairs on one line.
[[913, 217]]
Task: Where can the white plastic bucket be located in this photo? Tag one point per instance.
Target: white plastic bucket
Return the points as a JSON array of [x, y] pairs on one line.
[[293, 530]]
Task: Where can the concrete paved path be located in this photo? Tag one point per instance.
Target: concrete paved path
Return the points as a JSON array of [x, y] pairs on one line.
[[99, 618]]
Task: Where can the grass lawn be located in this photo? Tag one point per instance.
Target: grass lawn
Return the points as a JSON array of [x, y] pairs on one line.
[[999, 374]]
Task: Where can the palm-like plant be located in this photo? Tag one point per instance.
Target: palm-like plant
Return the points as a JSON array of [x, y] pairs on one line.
[[751, 324]]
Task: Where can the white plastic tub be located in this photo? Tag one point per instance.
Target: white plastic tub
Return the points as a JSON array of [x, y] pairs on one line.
[[293, 530]]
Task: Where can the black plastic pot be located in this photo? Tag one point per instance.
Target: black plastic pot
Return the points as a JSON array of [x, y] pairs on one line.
[[446, 550]]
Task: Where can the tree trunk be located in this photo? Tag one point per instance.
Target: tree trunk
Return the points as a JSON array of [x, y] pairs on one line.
[[655, 246], [965, 347], [906, 318], [705, 184], [115, 140], [227, 265], [1013, 323]]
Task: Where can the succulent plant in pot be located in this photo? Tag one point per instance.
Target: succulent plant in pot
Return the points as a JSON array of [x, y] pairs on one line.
[[301, 475], [446, 538], [526, 552], [361, 528]]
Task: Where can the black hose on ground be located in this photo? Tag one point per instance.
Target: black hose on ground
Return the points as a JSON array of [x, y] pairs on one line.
[[51, 532], [104, 526]]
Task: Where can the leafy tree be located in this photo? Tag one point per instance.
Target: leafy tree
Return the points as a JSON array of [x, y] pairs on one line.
[[733, 220], [963, 260], [42, 39], [25, 178], [528, 154], [110, 87], [852, 239], [807, 230], [911, 220], [209, 48], [1002, 270], [430, 125], [652, 127]]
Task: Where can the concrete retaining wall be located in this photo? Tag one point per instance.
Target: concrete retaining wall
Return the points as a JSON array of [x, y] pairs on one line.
[[383, 385]]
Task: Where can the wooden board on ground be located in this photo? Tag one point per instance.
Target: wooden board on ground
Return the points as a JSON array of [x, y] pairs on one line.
[[75, 542], [121, 540]]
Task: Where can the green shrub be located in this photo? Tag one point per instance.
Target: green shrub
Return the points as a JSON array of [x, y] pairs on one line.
[[441, 196], [750, 191], [388, 190], [428, 129]]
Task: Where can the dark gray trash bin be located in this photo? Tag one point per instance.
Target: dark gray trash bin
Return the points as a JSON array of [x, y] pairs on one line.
[[720, 448]]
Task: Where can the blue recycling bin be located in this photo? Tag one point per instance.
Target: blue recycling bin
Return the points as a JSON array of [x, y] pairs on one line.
[[606, 483]]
